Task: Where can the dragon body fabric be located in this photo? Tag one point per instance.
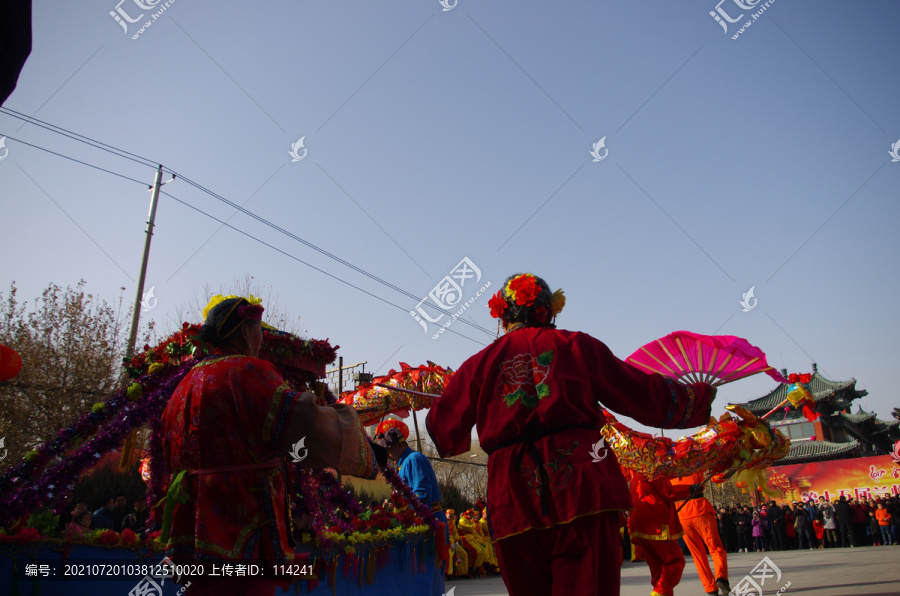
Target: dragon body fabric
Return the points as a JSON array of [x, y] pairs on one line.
[[742, 443]]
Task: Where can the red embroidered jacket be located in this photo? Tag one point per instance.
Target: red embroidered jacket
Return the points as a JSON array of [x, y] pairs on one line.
[[533, 396]]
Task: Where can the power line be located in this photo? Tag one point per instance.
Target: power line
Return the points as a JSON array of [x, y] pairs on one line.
[[289, 255], [84, 163], [147, 162], [78, 137]]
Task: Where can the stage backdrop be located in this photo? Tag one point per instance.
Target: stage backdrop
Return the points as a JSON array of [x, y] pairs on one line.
[[860, 478]]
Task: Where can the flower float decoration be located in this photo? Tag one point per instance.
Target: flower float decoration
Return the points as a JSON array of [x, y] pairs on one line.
[[47, 475]]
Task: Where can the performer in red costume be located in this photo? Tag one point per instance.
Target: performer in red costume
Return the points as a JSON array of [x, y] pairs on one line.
[[701, 532], [532, 394], [654, 526], [225, 430]]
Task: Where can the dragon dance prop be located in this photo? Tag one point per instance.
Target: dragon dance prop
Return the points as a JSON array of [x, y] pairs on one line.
[[398, 392], [742, 443]]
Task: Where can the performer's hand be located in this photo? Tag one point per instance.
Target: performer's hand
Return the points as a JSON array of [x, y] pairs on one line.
[[696, 490], [713, 390]]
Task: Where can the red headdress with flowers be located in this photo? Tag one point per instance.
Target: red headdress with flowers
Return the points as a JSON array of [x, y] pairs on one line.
[[523, 290]]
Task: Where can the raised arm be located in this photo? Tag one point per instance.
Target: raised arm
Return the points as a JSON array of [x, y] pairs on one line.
[[334, 437], [650, 399]]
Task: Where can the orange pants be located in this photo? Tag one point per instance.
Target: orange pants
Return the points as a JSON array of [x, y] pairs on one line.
[[665, 561], [700, 531]]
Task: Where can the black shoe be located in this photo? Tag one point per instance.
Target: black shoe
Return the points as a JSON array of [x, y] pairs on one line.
[[723, 585]]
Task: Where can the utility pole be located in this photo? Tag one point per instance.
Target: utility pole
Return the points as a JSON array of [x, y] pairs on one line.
[[139, 294]]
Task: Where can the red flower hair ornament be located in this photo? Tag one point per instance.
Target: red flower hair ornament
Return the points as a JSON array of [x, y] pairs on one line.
[[523, 290]]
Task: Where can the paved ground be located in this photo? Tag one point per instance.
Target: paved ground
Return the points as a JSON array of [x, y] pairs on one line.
[[866, 571]]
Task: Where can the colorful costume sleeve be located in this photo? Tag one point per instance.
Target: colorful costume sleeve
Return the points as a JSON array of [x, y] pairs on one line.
[[650, 399], [334, 436]]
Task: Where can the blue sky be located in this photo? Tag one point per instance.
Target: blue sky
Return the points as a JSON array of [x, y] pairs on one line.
[[434, 135]]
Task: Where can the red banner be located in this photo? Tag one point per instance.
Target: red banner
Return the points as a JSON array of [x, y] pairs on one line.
[[860, 478]]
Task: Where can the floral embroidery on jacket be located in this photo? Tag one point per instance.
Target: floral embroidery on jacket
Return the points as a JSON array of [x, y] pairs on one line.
[[522, 379], [559, 470]]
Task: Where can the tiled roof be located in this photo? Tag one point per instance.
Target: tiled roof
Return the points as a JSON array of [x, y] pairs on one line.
[[820, 387], [859, 417], [807, 451]]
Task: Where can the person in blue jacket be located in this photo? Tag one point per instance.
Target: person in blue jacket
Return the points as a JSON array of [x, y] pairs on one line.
[[415, 469]]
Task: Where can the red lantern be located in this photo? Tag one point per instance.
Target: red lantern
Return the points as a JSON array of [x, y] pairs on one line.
[[10, 363]]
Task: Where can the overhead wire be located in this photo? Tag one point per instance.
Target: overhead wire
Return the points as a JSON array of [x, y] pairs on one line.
[[147, 162], [224, 223]]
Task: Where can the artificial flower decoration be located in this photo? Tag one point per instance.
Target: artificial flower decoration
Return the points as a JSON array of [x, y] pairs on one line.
[[557, 302], [523, 289], [498, 305], [220, 298], [134, 392]]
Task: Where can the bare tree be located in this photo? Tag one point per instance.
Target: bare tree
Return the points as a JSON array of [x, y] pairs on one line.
[[276, 315], [71, 344], [466, 471]]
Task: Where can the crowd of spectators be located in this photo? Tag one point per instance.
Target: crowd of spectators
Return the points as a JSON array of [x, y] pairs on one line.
[[841, 523], [111, 515]]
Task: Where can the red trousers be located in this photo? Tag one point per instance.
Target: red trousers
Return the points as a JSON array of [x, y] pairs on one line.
[[579, 558], [666, 563], [701, 533]]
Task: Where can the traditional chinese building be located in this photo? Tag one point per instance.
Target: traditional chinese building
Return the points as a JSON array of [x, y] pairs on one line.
[[837, 433]]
